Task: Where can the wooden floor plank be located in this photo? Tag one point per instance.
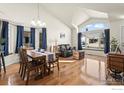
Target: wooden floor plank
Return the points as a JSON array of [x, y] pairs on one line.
[[88, 71]]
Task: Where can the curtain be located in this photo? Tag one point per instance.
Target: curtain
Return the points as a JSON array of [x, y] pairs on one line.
[[32, 41], [106, 41], [44, 39], [19, 39], [79, 41], [4, 35]]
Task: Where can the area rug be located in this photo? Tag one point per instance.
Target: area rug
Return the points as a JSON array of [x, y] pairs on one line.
[[67, 60]]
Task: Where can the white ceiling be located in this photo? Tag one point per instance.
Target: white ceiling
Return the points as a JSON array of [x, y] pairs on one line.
[[69, 14], [66, 12], [114, 10], [63, 12]]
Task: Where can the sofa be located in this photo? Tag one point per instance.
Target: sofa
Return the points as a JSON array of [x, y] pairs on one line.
[[65, 50]]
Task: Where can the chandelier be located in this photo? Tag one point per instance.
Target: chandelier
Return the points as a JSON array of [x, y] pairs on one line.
[[37, 21]]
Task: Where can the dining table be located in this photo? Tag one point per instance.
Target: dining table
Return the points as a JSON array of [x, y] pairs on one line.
[[33, 54]]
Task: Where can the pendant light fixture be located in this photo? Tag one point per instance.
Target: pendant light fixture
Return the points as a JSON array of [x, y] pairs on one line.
[[37, 22]]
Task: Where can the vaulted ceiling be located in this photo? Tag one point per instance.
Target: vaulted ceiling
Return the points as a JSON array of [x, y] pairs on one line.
[[67, 13], [70, 14], [114, 10], [73, 14]]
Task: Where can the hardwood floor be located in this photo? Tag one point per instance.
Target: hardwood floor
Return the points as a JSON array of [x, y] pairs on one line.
[[88, 71]]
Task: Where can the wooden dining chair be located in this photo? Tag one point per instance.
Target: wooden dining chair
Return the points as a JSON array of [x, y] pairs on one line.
[[115, 66], [54, 62], [22, 63], [37, 65], [20, 58]]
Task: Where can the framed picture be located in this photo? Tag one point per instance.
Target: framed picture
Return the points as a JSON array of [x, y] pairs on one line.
[[93, 40], [62, 35]]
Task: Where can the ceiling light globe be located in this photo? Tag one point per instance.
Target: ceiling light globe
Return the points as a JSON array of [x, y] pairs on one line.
[[43, 24], [33, 23]]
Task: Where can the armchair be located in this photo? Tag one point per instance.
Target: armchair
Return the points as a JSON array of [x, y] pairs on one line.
[[65, 50]]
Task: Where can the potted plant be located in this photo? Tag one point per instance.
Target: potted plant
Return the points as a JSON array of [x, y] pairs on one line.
[[114, 44]]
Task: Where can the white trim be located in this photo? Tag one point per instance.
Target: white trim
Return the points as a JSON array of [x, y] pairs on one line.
[[120, 33], [121, 29], [11, 59]]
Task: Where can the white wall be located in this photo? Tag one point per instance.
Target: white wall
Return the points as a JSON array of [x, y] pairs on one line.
[[14, 58], [54, 28], [22, 14], [74, 38], [79, 17], [115, 29]]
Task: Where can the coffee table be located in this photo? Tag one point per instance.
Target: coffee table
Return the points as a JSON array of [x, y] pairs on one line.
[[78, 54]]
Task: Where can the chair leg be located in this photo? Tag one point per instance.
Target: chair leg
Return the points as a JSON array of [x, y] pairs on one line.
[[122, 79], [23, 77], [0, 66], [28, 74], [58, 65], [22, 70], [19, 69], [3, 62], [44, 67], [49, 68], [107, 73]]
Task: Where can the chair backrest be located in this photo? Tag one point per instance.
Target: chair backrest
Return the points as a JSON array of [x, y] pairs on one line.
[[20, 55], [57, 55], [115, 62], [24, 56], [40, 60]]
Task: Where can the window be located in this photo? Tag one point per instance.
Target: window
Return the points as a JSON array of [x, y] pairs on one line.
[[93, 35], [26, 40], [40, 40], [83, 42], [94, 26]]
